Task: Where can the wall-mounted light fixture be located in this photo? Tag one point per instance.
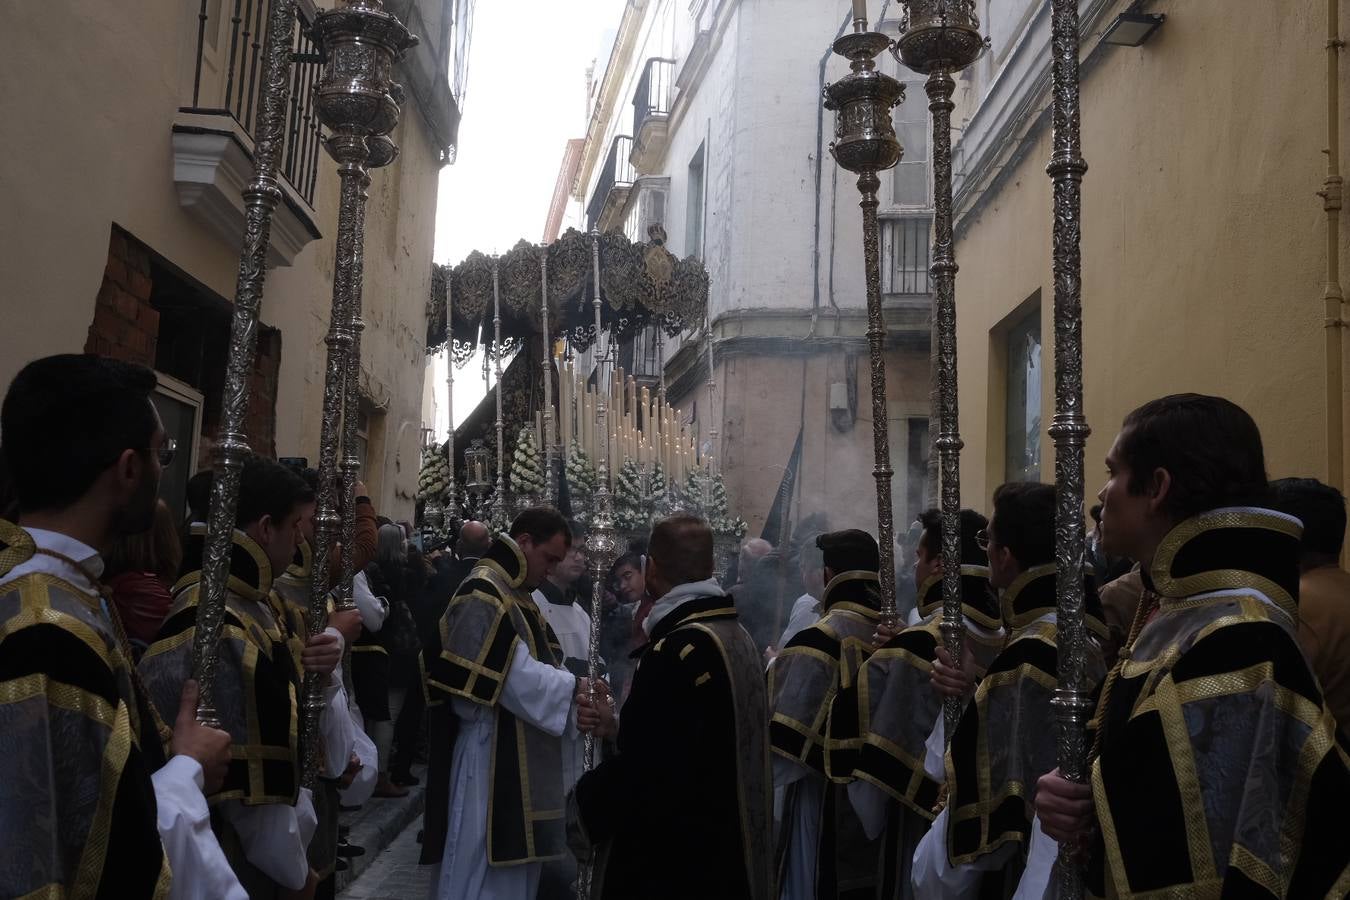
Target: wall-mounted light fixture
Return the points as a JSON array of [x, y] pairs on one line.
[[1132, 29]]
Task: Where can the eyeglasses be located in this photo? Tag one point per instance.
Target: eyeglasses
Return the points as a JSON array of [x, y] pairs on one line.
[[982, 540], [167, 450]]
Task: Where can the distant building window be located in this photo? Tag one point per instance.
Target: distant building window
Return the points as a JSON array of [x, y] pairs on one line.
[[916, 469], [693, 223], [906, 255], [911, 185], [1023, 424]]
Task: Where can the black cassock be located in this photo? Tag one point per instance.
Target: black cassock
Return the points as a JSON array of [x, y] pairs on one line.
[[684, 808]]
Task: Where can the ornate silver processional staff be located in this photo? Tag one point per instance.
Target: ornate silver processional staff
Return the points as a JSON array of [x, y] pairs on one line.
[[601, 544], [356, 100], [261, 197], [381, 152], [1069, 428], [865, 143], [937, 38]]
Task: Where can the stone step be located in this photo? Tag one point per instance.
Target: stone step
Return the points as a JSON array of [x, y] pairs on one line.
[[376, 825]]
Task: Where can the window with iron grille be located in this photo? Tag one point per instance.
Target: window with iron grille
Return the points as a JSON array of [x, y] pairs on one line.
[[906, 254]]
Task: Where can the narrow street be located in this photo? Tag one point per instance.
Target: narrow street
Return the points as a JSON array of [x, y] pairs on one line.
[[395, 874]]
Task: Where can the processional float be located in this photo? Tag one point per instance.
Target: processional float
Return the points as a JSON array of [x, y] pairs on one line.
[[591, 290], [359, 103], [938, 38]]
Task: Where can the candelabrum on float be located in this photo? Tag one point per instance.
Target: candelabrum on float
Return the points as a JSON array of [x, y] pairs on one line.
[[865, 143], [937, 39]]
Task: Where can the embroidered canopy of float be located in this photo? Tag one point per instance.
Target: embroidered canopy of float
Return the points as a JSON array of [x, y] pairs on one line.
[[641, 285]]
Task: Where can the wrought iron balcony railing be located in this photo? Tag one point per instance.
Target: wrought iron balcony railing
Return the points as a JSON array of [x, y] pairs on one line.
[[651, 100], [226, 81], [616, 179]]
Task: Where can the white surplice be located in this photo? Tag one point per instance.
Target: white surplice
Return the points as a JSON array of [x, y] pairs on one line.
[[803, 824], [572, 626], [275, 837], [538, 694], [200, 870]]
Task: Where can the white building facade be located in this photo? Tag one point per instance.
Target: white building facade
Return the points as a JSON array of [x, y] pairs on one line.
[[707, 119]]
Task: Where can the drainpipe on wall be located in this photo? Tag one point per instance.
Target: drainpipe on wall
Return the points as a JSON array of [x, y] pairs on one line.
[[1332, 294]]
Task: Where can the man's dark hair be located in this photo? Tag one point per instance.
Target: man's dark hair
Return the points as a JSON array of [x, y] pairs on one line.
[[627, 561], [1210, 446], [1322, 509], [542, 524], [66, 419], [199, 494], [683, 548], [972, 523], [1024, 521], [850, 550], [267, 488]]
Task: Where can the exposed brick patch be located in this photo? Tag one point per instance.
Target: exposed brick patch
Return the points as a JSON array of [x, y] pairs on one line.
[[125, 326]]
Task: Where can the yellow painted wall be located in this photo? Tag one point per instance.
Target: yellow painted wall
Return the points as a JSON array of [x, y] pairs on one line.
[[1203, 238]]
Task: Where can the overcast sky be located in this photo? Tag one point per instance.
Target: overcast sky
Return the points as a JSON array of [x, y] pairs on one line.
[[525, 98]]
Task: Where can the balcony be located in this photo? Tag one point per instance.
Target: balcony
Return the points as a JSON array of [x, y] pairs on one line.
[[613, 186], [213, 136], [651, 114]]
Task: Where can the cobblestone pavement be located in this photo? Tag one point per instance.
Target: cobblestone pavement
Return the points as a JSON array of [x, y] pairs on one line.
[[394, 874]]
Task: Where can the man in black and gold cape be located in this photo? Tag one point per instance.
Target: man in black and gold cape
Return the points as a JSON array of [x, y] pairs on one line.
[[879, 728], [292, 588], [91, 805], [986, 842], [262, 817], [683, 809], [822, 852], [499, 667], [1216, 770]]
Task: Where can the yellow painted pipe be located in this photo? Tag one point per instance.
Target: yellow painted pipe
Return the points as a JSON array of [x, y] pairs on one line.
[[1333, 296]]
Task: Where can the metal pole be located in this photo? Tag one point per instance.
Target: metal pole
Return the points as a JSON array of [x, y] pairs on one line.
[[349, 150], [1069, 429], [260, 200], [940, 87], [381, 151], [868, 184], [551, 489], [601, 544], [499, 502]]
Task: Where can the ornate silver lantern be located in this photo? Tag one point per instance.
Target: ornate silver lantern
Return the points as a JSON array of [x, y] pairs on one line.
[[865, 143], [937, 38]]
